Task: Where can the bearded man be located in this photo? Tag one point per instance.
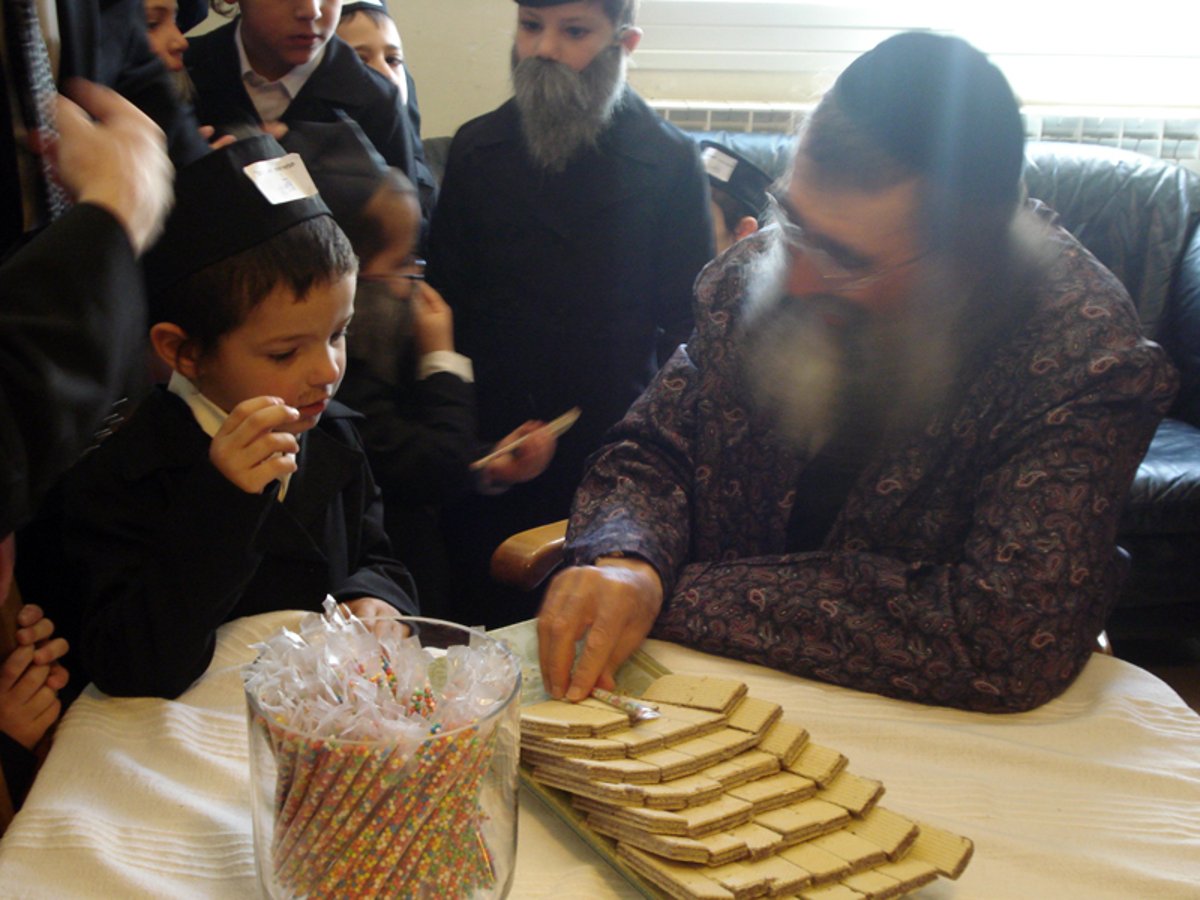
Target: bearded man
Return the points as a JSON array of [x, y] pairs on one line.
[[570, 227], [894, 453]]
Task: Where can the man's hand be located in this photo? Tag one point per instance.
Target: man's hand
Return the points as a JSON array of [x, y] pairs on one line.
[[111, 154], [614, 603], [248, 450]]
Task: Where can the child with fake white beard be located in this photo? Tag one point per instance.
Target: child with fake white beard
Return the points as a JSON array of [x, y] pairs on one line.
[[571, 224]]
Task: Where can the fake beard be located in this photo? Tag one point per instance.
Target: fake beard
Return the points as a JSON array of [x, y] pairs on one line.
[[564, 111], [820, 365]]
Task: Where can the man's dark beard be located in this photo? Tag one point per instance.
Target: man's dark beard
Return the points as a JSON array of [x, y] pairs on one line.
[[564, 111], [822, 367]]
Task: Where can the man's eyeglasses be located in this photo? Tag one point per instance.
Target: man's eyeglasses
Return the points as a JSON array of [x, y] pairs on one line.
[[842, 275]]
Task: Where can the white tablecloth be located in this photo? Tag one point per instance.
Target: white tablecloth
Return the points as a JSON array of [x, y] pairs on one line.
[[1095, 795]]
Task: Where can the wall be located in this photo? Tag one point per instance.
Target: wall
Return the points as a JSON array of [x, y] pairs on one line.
[[458, 53], [786, 52]]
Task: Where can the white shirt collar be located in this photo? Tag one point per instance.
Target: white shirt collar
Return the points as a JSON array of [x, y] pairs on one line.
[[291, 83], [208, 415]]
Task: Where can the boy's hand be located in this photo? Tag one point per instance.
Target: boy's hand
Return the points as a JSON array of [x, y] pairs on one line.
[[433, 322], [379, 616], [28, 704], [249, 451], [526, 461], [35, 630]]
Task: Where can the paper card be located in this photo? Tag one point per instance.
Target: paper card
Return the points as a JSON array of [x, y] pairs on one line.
[[717, 164], [282, 180]]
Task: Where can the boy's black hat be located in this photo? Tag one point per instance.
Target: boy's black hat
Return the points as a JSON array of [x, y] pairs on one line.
[[939, 106], [228, 201], [343, 162], [359, 5], [736, 176]]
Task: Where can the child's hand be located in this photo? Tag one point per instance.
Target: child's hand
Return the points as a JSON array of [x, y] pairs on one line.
[[378, 616], [525, 462], [249, 451], [433, 322], [29, 705], [35, 630]]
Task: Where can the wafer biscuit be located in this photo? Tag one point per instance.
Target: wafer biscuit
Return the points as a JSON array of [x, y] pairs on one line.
[[946, 852], [717, 746], [679, 793], [892, 879], [557, 718], [717, 694], [774, 791], [821, 764], [801, 821], [785, 741], [753, 715], [856, 794], [695, 821], [772, 877], [819, 862], [611, 792], [894, 833], [678, 880], [760, 842], [710, 850], [830, 892], [859, 854], [744, 767], [590, 748], [629, 771]]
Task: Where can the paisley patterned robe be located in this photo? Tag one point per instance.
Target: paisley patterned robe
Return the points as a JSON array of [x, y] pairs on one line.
[[974, 561]]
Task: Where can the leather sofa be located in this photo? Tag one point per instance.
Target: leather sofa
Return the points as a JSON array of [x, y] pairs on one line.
[[1140, 216]]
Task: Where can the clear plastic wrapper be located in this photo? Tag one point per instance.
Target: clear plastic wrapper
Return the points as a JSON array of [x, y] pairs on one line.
[[383, 765]]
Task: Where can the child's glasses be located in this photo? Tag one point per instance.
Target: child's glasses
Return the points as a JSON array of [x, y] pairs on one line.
[[403, 283]]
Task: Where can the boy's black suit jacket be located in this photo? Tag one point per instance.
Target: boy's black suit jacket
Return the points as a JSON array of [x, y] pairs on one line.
[[165, 549], [340, 82]]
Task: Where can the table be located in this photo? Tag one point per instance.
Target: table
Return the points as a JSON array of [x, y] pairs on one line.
[[1094, 795]]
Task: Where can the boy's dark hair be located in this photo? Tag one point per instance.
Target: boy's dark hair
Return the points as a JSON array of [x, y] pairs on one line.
[[378, 16], [217, 299], [365, 231], [621, 12]]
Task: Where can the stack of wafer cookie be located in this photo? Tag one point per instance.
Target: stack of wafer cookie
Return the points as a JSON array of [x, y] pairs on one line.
[[720, 798]]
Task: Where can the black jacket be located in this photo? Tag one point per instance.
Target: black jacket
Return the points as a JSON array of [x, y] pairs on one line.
[[68, 334], [340, 82], [102, 41], [569, 289], [165, 549]]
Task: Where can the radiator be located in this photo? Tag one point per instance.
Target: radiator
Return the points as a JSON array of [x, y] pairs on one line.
[[1166, 136]]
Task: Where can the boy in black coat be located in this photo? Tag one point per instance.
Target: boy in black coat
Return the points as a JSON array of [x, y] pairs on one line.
[[240, 487], [283, 62]]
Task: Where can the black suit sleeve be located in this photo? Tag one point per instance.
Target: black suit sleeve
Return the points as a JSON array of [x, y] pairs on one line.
[[71, 320], [126, 63]]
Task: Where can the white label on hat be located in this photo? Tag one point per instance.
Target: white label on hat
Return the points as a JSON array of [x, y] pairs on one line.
[[717, 164], [282, 180]]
